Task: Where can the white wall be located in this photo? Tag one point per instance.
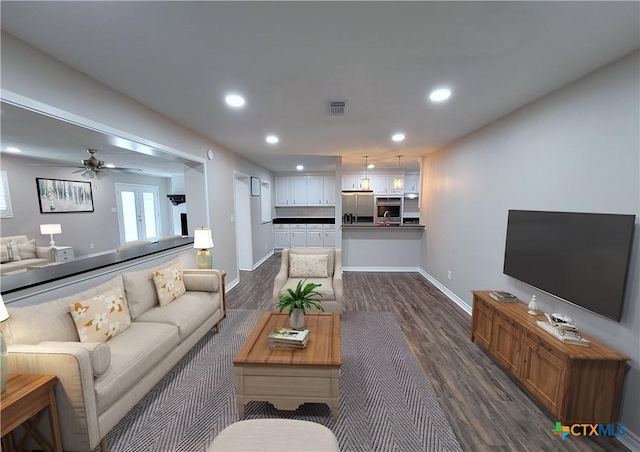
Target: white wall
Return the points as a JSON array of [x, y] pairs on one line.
[[577, 149], [33, 74]]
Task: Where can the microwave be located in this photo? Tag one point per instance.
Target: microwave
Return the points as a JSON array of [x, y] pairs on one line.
[[389, 209]]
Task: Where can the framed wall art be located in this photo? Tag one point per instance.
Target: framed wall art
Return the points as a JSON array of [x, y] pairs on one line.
[[64, 196]]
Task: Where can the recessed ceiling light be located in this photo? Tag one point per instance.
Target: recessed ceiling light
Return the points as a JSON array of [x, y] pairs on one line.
[[14, 150], [299, 168], [110, 165], [398, 137], [272, 139], [371, 166], [440, 95], [234, 100]]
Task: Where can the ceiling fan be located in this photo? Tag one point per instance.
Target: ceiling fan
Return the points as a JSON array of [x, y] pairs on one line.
[[91, 167]]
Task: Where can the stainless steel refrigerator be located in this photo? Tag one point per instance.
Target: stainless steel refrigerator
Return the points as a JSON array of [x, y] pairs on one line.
[[357, 207]]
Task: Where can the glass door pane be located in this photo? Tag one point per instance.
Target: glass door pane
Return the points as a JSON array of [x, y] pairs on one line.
[[129, 216]]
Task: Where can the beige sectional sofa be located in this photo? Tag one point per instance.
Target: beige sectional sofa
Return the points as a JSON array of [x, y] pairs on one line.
[[100, 382], [43, 255]]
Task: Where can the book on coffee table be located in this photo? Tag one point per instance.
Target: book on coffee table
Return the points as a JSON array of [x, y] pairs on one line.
[[288, 335]]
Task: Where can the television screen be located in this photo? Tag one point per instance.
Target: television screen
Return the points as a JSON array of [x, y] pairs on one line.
[[582, 258]]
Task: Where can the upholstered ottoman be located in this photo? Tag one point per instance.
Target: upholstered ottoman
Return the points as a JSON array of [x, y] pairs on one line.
[[274, 435]]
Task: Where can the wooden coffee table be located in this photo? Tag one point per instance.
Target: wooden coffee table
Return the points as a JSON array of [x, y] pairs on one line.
[[289, 378]]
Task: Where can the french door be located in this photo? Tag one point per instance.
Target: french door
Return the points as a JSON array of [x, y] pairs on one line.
[[138, 212]]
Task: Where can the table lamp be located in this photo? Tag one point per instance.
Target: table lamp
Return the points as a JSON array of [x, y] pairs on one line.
[[50, 229], [4, 362], [202, 241]]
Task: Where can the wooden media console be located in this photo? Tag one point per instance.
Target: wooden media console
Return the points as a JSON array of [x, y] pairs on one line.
[[577, 384]]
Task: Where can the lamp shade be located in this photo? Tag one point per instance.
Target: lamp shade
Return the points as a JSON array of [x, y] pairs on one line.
[[202, 239], [4, 315], [50, 229]]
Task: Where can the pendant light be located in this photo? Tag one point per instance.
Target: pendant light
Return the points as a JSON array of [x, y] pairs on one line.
[[366, 182], [398, 182]]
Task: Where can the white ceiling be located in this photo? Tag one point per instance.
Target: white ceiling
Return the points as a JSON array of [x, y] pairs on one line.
[[289, 59]]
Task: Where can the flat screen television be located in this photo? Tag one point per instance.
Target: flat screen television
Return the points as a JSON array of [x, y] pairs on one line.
[[582, 258]]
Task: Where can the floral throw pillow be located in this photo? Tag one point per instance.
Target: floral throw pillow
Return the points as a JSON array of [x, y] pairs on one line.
[[102, 317], [308, 265], [169, 284]]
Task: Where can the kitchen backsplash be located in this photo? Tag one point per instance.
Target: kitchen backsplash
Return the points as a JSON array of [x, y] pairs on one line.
[[305, 212]]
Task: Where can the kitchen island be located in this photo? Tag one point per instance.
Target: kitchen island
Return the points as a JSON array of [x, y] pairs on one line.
[[367, 247]]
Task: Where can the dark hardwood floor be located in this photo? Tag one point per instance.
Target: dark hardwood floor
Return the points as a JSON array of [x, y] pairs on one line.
[[486, 407]]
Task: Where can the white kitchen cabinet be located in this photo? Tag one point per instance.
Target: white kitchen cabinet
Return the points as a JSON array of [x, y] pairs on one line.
[[380, 184], [351, 182], [329, 190], [314, 235], [315, 191], [283, 191], [412, 183], [329, 236], [383, 184], [299, 190], [282, 238], [298, 235]]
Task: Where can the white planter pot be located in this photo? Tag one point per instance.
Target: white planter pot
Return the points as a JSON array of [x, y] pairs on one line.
[[297, 319]]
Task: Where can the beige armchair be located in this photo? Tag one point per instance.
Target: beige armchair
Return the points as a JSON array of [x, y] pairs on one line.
[[299, 263]]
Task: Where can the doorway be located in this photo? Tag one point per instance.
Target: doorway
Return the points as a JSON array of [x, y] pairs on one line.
[[244, 241], [138, 212]]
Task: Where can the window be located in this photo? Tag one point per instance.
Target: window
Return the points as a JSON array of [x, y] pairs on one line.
[[6, 211], [265, 201]]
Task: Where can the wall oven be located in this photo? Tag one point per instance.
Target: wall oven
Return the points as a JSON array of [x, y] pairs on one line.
[[389, 209]]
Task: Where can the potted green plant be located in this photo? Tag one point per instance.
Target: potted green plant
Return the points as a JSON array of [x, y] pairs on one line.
[[298, 301]]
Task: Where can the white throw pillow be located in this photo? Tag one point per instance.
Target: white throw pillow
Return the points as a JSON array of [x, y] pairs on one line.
[[308, 265], [14, 252], [27, 250], [4, 253]]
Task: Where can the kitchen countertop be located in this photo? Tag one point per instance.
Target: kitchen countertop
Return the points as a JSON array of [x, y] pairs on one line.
[[373, 225], [304, 220]]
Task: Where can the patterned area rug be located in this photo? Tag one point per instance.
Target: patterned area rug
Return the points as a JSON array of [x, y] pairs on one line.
[[386, 403]]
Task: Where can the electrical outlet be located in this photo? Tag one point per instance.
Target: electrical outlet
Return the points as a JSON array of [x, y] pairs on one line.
[[449, 274], [233, 218], [266, 246], [91, 246]]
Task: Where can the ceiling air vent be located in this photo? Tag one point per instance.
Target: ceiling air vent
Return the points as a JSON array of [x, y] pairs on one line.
[[337, 108]]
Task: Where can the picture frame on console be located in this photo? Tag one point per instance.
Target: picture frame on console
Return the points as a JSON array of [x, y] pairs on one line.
[[64, 196]]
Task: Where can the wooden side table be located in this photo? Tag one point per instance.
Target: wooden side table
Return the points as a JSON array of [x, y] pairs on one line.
[[25, 398]]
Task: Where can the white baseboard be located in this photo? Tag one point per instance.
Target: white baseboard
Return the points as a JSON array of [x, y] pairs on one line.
[[381, 269], [262, 261], [630, 440], [230, 285], [453, 297]]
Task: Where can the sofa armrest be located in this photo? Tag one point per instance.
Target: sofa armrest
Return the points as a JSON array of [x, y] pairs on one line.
[[99, 353], [202, 280], [46, 252], [281, 279], [337, 277], [75, 396]]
